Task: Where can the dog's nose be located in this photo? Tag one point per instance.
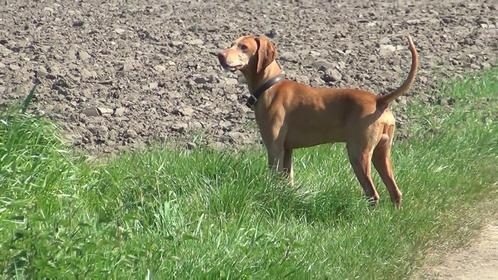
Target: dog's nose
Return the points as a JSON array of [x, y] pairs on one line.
[[222, 58]]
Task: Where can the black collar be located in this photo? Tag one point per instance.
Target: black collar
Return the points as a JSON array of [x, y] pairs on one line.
[[253, 99]]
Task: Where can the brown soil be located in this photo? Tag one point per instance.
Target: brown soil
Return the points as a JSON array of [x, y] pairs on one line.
[[117, 74]]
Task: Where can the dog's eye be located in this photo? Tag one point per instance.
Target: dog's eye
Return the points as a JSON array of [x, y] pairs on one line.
[[243, 47]]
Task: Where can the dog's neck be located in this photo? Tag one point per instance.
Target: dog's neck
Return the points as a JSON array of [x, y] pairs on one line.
[[255, 80]]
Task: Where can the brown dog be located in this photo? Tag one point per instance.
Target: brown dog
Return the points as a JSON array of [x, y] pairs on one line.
[[292, 115]]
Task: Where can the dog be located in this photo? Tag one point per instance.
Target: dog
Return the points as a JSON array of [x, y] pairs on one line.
[[292, 115]]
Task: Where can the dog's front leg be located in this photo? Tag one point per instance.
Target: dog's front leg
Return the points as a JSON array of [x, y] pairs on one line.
[[288, 169], [276, 156], [273, 131], [280, 160]]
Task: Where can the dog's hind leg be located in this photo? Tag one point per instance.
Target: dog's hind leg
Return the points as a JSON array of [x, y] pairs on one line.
[[360, 156], [382, 162]]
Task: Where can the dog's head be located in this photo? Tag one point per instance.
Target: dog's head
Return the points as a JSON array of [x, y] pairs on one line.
[[248, 54]]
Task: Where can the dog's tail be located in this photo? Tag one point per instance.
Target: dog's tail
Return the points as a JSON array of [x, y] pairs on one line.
[[383, 100]]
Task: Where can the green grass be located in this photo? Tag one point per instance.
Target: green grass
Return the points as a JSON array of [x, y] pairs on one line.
[[165, 213]]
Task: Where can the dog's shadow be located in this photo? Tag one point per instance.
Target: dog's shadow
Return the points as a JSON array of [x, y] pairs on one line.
[[325, 189]]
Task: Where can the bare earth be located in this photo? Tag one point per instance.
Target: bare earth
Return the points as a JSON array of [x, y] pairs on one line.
[[478, 261], [119, 74]]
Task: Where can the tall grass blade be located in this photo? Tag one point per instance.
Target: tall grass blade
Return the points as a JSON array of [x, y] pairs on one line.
[[28, 99]]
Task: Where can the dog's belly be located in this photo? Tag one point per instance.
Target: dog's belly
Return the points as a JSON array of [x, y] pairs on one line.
[[311, 135], [313, 130]]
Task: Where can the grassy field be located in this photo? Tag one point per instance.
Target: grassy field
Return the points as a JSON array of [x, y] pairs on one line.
[[165, 213]]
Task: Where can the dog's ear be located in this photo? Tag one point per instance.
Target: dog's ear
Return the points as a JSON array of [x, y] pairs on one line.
[[266, 53]]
